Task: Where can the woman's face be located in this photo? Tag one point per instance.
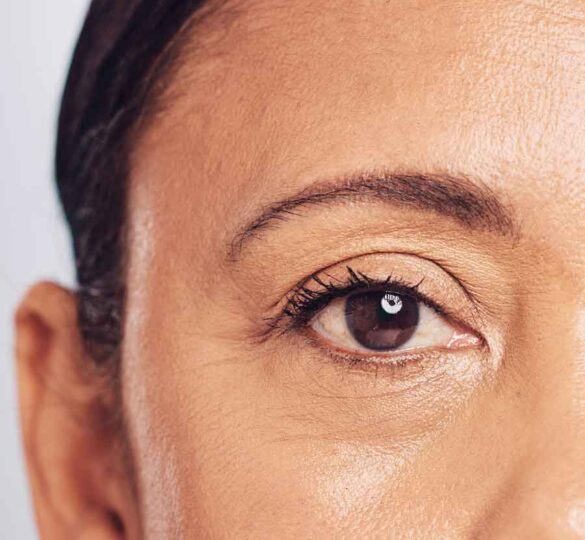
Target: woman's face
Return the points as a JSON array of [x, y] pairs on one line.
[[356, 292], [252, 418]]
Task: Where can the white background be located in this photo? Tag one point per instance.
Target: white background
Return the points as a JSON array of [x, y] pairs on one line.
[[36, 41]]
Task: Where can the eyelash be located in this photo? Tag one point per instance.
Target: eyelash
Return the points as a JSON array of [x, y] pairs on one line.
[[304, 302]]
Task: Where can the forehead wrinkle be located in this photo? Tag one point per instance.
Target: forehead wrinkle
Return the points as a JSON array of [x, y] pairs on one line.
[[238, 10]]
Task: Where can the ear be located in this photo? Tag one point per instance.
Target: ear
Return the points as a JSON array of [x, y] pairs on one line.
[[80, 476]]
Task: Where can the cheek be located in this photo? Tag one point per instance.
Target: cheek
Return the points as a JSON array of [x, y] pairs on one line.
[[214, 448], [215, 466], [229, 438]]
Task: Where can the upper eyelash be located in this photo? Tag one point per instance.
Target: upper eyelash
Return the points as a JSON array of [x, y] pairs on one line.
[[303, 303]]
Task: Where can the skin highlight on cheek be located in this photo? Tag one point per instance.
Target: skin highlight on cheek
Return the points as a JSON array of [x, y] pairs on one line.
[[353, 485], [577, 519]]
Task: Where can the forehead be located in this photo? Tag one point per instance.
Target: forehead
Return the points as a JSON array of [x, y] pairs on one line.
[[271, 95]]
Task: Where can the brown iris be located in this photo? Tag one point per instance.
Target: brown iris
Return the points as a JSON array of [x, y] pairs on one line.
[[381, 320]]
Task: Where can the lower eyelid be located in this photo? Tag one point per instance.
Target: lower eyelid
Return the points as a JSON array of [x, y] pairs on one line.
[[402, 363]]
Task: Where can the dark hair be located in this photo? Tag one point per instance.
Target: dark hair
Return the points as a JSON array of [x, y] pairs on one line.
[[121, 59]]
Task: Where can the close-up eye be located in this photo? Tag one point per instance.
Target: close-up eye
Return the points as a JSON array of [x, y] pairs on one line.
[[384, 321], [353, 313]]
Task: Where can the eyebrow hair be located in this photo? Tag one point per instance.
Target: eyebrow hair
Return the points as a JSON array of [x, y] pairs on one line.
[[468, 202]]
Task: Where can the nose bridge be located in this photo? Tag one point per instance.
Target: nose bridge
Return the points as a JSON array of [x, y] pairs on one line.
[[579, 376], [552, 473], [545, 495], [557, 414]]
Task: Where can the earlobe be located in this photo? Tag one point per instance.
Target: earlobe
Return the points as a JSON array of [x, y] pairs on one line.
[[81, 483]]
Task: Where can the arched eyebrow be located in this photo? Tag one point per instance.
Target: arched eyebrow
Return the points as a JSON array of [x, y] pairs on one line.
[[460, 198]]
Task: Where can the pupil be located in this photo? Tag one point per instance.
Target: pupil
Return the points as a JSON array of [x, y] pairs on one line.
[[381, 320]]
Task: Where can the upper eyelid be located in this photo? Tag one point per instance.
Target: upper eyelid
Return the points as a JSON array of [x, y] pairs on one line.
[[399, 285], [442, 266]]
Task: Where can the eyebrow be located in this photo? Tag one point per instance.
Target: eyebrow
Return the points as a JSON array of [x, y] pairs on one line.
[[458, 197]]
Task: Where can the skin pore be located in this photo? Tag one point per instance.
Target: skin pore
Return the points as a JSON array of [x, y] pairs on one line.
[[436, 145]]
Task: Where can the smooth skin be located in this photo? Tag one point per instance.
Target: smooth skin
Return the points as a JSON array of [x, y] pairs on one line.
[[232, 430]]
